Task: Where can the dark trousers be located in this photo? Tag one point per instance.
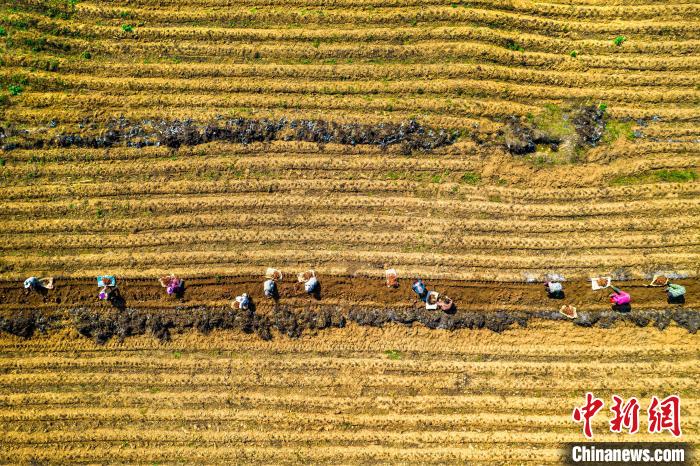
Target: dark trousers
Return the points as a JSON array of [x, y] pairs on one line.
[[556, 294], [676, 300], [622, 307]]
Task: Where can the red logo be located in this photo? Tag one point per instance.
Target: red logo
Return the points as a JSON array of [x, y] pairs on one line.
[[626, 415], [663, 414], [586, 412]]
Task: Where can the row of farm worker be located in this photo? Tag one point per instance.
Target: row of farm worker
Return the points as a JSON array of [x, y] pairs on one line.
[[620, 300]]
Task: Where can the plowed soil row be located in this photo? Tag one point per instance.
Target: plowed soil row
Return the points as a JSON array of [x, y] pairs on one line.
[[474, 296]]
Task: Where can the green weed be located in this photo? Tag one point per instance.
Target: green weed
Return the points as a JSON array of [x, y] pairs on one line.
[[471, 178], [15, 89], [514, 46], [394, 355], [127, 28], [618, 41], [553, 123]]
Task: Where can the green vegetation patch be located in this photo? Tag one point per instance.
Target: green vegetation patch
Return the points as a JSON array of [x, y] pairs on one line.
[[62, 9], [514, 46], [472, 178], [614, 130], [657, 176], [552, 121], [15, 89]]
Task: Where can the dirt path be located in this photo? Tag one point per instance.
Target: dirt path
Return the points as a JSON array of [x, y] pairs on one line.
[[342, 291]]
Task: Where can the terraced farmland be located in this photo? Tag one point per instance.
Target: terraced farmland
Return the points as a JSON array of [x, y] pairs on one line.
[[228, 208], [236, 210], [468, 210], [483, 146]]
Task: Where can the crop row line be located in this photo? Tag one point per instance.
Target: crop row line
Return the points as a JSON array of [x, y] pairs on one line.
[[352, 237], [438, 223]]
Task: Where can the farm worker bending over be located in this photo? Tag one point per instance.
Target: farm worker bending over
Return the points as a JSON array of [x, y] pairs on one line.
[[420, 289], [108, 284], [619, 297], [32, 283], [676, 293], [35, 284], [392, 278], [270, 289], [620, 300], [554, 290], [311, 285], [446, 304], [270, 286], [172, 284], [243, 302]]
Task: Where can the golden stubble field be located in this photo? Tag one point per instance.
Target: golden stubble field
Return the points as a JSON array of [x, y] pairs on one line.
[[391, 395], [467, 211], [468, 216]]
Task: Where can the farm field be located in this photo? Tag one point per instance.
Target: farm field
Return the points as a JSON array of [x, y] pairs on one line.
[[484, 146], [100, 174], [358, 394]]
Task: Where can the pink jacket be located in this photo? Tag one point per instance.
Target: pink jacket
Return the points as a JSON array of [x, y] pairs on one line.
[[620, 298]]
